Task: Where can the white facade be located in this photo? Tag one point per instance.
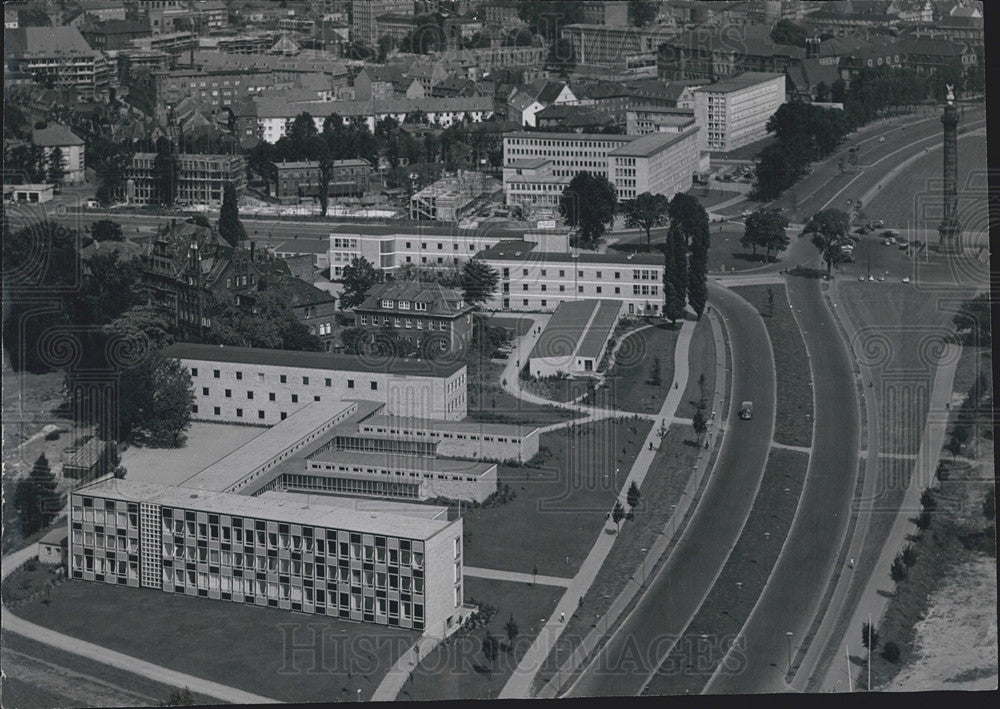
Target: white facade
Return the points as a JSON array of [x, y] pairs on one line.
[[734, 112]]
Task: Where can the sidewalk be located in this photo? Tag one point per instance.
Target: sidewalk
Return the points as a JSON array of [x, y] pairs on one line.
[[873, 602], [13, 624], [591, 642], [516, 576], [520, 682]]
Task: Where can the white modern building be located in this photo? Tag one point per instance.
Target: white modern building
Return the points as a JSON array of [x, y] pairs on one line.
[[575, 338], [536, 280], [734, 112]]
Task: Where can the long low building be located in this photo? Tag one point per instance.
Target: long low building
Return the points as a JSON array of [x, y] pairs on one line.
[[398, 567], [535, 280], [456, 439], [262, 386], [575, 338], [392, 475]]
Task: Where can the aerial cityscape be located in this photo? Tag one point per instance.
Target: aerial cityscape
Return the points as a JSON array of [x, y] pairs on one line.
[[429, 350]]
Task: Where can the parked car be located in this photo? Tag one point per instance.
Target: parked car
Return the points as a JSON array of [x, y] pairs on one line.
[[746, 410]]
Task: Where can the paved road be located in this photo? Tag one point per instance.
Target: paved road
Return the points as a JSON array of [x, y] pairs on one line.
[[800, 577], [677, 591]]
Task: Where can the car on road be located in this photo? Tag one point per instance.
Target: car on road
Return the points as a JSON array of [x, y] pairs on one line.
[[854, 148], [881, 139], [746, 410], [906, 279]]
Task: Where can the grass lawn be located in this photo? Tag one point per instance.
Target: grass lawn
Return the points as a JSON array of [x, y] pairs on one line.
[[701, 360], [38, 676], [668, 475], [794, 404], [959, 536], [721, 617], [488, 401], [709, 197], [897, 334], [910, 199], [458, 669], [726, 254], [560, 506], [628, 386], [232, 644]]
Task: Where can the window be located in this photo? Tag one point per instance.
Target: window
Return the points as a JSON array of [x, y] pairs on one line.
[[374, 386], [249, 395], [216, 410], [295, 398], [229, 393], [305, 381], [239, 375], [204, 391], [328, 382], [260, 414], [350, 383], [194, 371], [215, 373], [239, 413], [270, 396], [260, 376], [284, 379], [283, 415]]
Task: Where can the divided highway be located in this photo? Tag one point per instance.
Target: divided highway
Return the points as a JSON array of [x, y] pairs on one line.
[[646, 636]]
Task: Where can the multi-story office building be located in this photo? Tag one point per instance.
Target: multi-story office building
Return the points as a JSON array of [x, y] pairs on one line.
[[370, 561], [423, 314], [650, 119], [59, 54], [448, 199], [424, 244], [365, 14], [661, 163], [734, 112], [254, 385], [200, 179], [534, 280], [614, 45], [302, 178], [720, 52]]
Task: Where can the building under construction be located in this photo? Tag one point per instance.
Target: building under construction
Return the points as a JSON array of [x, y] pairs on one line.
[[451, 198], [200, 178]]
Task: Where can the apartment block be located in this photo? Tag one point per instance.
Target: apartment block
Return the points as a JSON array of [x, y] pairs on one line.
[[614, 45], [535, 280], [261, 386], [59, 54], [734, 112], [365, 14], [369, 561]]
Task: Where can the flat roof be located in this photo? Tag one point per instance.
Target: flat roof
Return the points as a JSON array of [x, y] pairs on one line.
[[292, 511], [501, 429], [564, 330], [599, 330], [424, 464], [523, 251], [360, 504], [303, 246], [545, 135], [652, 143], [310, 360], [232, 468], [739, 82], [425, 229]]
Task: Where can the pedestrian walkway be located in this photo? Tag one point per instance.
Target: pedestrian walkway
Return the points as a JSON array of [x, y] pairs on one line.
[[787, 447], [390, 686], [604, 628], [12, 624], [520, 682], [498, 575], [877, 592]]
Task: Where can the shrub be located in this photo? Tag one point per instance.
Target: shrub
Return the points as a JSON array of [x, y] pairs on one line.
[[924, 521], [53, 435], [890, 651], [898, 569], [910, 555], [869, 633]]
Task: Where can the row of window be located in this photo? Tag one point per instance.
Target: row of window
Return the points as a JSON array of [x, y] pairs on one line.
[[282, 379], [443, 434]]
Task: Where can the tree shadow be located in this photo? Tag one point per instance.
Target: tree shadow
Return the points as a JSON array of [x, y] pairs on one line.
[[688, 442], [752, 258], [803, 272], [885, 594]]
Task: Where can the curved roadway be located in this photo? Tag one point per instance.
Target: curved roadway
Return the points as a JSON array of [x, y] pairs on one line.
[[803, 570], [643, 640]]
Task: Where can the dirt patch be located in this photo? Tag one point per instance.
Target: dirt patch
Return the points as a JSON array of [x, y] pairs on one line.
[[956, 642]]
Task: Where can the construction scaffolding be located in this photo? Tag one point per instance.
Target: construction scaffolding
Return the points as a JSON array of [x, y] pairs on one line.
[[451, 197]]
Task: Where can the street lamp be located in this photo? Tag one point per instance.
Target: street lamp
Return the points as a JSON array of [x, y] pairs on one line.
[[788, 635]]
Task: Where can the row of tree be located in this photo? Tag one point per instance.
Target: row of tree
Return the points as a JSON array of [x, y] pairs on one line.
[[29, 163]]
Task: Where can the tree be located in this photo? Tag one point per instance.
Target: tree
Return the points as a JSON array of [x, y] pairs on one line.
[[770, 303], [927, 500], [890, 651], [953, 446], [111, 174], [511, 629], [647, 211], [973, 321], [230, 227], [898, 569], [534, 573], [302, 136], [180, 698], [588, 203], [822, 92], [358, 278], [642, 12], [106, 230], [909, 555], [633, 495], [36, 499], [699, 423], [830, 230], [56, 166], [869, 636], [166, 172], [479, 282], [153, 322], [678, 271], [617, 513], [673, 298], [655, 377], [689, 229], [490, 647], [787, 32], [765, 228], [325, 175], [158, 408]]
